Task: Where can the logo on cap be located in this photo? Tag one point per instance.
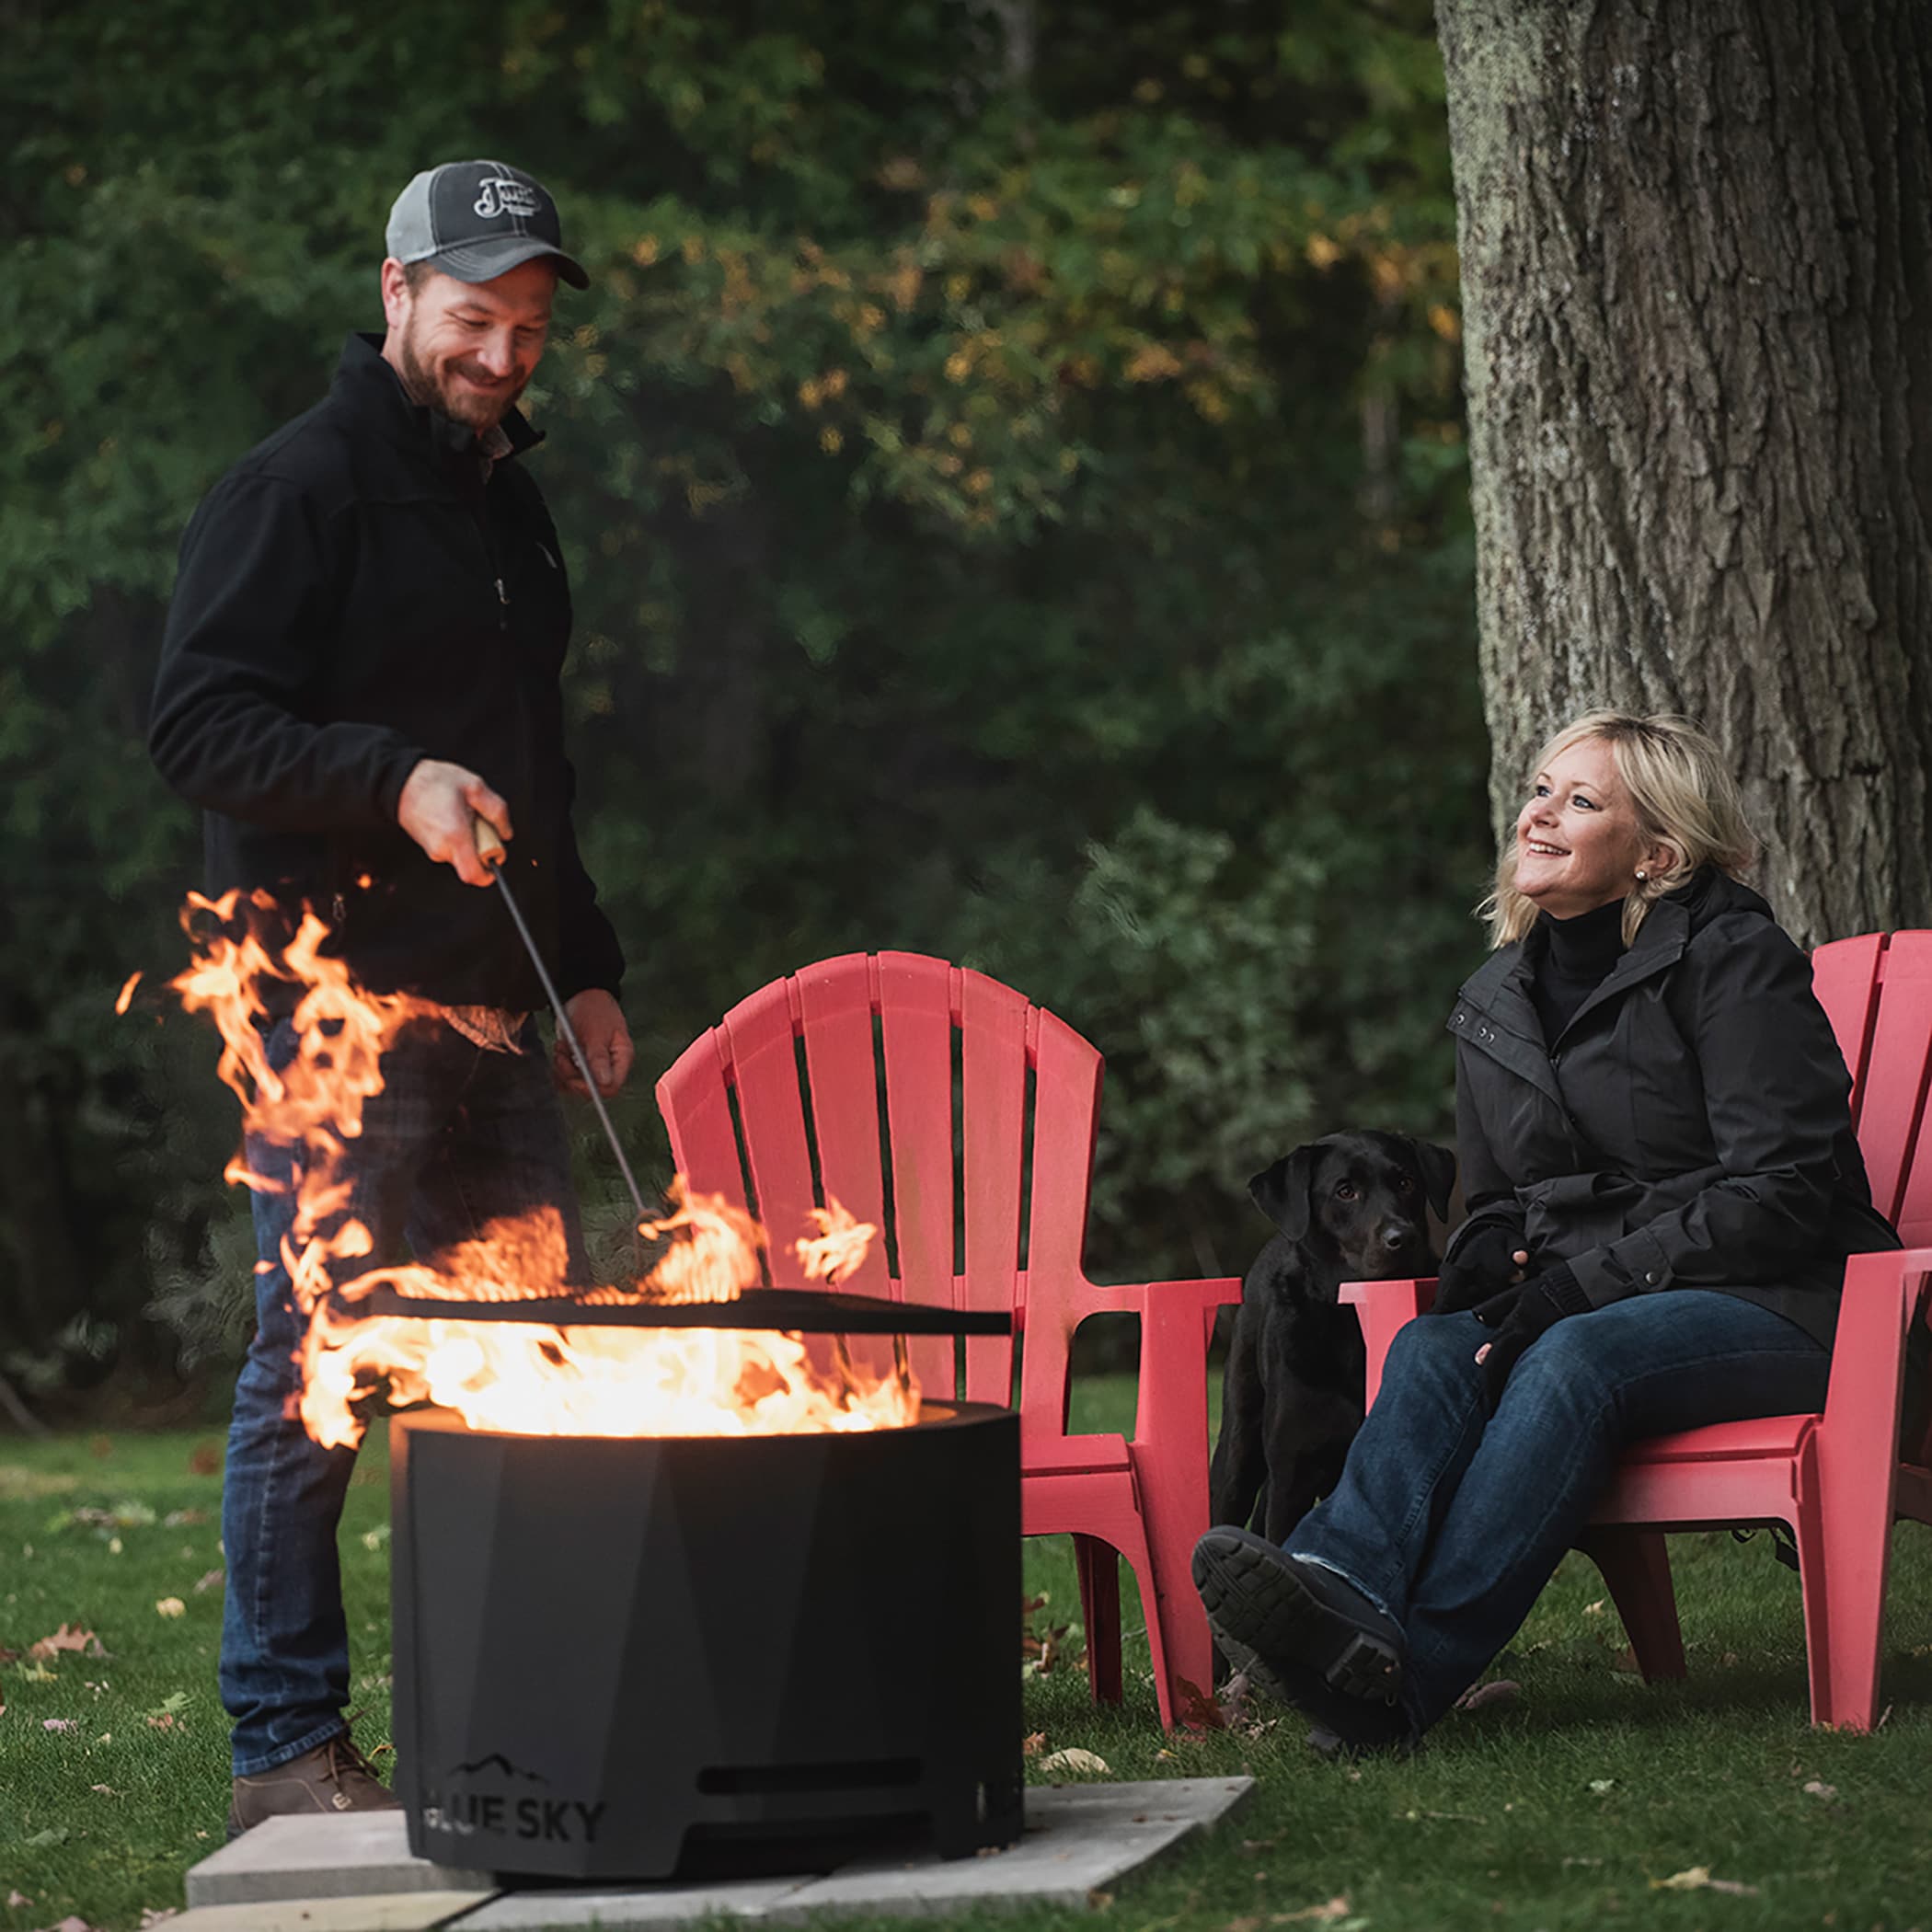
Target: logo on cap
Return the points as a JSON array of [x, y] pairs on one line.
[[501, 194]]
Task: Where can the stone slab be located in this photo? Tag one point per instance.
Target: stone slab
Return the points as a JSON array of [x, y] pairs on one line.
[[392, 1911], [1079, 1841], [657, 1907], [359, 1854]]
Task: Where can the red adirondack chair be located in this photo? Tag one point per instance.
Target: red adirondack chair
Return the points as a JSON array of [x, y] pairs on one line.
[[972, 1080], [1839, 1478]]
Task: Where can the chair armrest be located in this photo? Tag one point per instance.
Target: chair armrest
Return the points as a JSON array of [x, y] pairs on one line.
[[1148, 1299], [1177, 1324], [1382, 1308]]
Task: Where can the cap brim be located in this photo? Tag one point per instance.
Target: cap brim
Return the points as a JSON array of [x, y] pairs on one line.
[[484, 261]]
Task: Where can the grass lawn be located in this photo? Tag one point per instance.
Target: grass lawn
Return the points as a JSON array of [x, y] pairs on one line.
[[1566, 1810]]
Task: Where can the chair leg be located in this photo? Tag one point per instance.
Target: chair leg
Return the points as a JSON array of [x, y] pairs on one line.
[[1099, 1567], [1844, 1550], [1637, 1567]]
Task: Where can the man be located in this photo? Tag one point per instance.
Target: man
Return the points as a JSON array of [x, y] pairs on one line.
[[362, 652]]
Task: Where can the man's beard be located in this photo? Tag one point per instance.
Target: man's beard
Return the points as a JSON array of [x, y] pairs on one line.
[[479, 413]]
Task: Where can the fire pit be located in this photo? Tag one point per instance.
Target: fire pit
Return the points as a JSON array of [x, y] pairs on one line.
[[636, 1658], [682, 1581]]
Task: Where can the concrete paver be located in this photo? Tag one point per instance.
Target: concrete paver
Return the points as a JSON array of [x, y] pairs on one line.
[[359, 1853], [392, 1911], [1080, 1841]]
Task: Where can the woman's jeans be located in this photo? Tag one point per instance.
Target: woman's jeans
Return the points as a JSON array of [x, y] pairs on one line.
[[459, 1135], [1454, 1524]]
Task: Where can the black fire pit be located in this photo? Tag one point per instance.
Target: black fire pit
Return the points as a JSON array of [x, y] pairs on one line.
[[642, 1658]]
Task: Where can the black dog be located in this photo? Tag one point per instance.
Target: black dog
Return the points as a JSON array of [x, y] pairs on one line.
[[1351, 1207]]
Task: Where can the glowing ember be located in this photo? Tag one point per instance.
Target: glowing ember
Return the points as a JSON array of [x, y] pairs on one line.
[[126, 993], [514, 1376]]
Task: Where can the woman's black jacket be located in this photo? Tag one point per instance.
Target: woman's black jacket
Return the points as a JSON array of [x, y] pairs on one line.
[[1688, 1128]]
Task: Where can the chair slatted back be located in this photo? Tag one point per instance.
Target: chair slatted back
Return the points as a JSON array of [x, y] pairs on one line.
[[1877, 989], [899, 1085]]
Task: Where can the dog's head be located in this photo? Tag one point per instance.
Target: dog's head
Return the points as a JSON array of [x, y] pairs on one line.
[[1360, 1201]]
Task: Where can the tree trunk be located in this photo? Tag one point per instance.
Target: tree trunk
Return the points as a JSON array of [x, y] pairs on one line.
[[1696, 260]]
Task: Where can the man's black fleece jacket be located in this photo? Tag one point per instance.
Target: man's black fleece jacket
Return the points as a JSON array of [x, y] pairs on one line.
[[353, 597]]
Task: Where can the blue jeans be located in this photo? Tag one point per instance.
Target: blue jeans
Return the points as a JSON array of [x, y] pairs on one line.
[[458, 1136], [1454, 1524]]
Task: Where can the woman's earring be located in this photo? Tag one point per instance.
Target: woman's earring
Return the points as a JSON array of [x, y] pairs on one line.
[[1641, 875]]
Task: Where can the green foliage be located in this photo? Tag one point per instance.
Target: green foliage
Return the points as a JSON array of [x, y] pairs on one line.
[[1014, 498]]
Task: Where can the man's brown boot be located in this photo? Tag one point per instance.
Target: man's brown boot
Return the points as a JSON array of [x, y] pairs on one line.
[[332, 1777]]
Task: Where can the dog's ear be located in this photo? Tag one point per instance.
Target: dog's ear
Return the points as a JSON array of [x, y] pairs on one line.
[[1438, 1166], [1282, 1191]]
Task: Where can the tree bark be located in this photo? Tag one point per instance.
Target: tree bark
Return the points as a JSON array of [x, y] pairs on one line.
[[1696, 260]]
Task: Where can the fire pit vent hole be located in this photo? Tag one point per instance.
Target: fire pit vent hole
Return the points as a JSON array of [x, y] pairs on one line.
[[747, 1781]]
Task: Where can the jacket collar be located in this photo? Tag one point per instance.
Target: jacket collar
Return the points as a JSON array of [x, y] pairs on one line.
[[373, 393], [1494, 1011]]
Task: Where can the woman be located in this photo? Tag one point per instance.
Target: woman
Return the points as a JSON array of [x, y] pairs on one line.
[[1663, 1184]]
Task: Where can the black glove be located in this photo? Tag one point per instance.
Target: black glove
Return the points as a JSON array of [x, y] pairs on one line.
[[1521, 1318], [1481, 1264]]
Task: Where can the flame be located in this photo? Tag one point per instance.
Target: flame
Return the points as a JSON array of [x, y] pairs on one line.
[[126, 993], [840, 1247], [525, 1378]]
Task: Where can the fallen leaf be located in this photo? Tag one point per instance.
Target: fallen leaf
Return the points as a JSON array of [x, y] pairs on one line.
[[1819, 1790], [205, 1459], [376, 1537], [1032, 1743], [1074, 1760], [1337, 1907], [1699, 1879], [183, 1519], [67, 1637], [166, 1721], [35, 1674], [105, 1790], [54, 1834], [171, 1706], [72, 1922], [15, 1898], [1198, 1709], [130, 1513], [169, 1606], [1595, 1609], [1500, 1693], [1601, 1785], [212, 1580], [156, 1916], [60, 1723]]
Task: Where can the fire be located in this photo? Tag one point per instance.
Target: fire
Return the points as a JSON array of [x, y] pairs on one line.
[[840, 1247], [525, 1378]]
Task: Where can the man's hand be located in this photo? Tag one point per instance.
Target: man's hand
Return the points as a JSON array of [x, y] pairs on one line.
[[436, 808], [598, 1022]]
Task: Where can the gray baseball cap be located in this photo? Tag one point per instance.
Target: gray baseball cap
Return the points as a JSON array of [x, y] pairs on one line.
[[475, 220]]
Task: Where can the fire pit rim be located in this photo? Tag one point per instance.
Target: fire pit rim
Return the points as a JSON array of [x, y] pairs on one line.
[[785, 1311]]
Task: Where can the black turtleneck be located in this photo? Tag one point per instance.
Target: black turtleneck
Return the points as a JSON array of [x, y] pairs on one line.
[[1577, 954]]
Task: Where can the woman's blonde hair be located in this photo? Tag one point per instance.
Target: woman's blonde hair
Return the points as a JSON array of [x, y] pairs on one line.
[[1685, 797]]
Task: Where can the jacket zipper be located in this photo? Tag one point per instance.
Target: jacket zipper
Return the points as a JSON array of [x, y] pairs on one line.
[[494, 566]]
